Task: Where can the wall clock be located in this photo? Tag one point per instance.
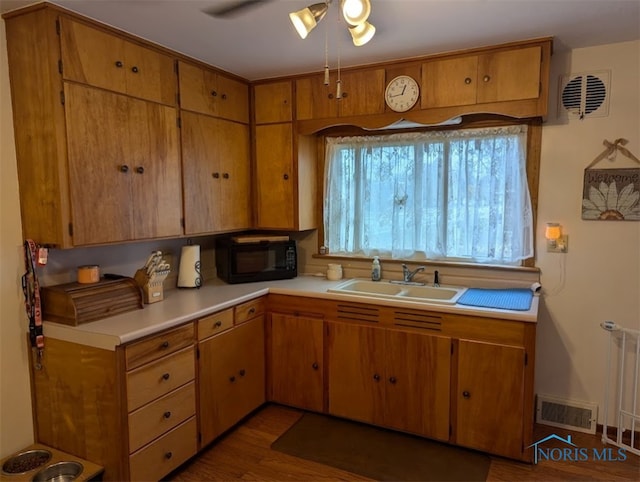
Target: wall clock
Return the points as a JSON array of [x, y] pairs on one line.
[[402, 93]]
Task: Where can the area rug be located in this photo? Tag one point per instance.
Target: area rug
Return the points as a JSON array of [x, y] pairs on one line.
[[378, 453]]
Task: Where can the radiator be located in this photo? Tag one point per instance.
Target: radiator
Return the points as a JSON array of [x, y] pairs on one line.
[[622, 388]]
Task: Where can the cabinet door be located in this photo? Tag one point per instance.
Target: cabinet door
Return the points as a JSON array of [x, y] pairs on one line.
[[314, 99], [104, 60], [154, 152], [509, 75], [449, 82], [215, 160], [205, 91], [273, 102], [296, 368], [231, 367], [100, 170], [417, 383], [489, 397], [362, 93], [275, 205], [356, 372], [234, 207]]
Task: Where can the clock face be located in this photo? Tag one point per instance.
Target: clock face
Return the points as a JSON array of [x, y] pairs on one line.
[[402, 93]]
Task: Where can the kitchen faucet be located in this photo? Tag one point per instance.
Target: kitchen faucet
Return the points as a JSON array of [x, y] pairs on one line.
[[408, 275]]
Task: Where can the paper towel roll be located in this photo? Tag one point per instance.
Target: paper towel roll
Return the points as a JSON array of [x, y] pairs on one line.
[[189, 274]]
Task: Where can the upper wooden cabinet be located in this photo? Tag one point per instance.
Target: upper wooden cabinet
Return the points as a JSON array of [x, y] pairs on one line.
[[362, 94], [215, 166], [500, 76], [95, 57], [210, 92], [273, 102], [124, 171]]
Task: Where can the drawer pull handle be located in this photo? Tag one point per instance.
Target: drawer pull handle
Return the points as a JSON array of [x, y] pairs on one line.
[[164, 345], [167, 414], [252, 310], [392, 380], [376, 377], [134, 69], [242, 372], [232, 379], [217, 324], [466, 394], [118, 63], [165, 376], [214, 93], [168, 455], [315, 366]]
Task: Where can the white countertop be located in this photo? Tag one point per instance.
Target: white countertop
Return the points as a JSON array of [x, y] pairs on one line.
[[183, 305]]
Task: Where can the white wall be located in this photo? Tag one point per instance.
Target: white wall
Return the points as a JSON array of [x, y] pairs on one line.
[[599, 278], [16, 428]]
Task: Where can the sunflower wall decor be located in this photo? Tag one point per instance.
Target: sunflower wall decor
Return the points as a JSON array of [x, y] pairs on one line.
[[611, 194]]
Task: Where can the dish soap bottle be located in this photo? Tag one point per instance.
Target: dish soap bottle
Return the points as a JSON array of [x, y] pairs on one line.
[[375, 269]]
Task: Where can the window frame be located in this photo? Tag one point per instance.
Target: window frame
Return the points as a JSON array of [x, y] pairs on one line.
[[534, 142]]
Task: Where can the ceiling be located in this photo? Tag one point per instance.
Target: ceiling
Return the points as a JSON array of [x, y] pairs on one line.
[[260, 42]]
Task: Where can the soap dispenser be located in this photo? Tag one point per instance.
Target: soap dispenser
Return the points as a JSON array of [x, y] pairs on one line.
[[375, 269]]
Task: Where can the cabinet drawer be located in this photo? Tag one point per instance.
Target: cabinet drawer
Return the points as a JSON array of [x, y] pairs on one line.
[[159, 378], [156, 418], [165, 454], [215, 323], [137, 354], [248, 310]]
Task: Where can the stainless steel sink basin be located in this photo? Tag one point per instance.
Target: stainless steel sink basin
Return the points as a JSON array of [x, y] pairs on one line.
[[380, 289]]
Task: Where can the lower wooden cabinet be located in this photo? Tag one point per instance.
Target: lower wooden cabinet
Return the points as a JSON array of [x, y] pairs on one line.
[[295, 361], [489, 397], [390, 377], [231, 377]]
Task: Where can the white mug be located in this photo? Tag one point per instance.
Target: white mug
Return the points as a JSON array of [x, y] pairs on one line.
[[334, 272]]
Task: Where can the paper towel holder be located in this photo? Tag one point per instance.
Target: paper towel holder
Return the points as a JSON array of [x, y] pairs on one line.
[[189, 274]]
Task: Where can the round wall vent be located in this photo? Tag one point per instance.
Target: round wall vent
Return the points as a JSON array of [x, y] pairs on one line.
[[584, 95]]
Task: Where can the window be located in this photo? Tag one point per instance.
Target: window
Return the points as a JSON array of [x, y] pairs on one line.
[[444, 195]]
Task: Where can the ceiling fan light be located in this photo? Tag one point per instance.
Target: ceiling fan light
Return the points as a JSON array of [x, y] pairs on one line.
[[356, 12], [362, 33], [306, 19]]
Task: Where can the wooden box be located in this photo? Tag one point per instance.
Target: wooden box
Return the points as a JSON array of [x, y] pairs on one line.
[[75, 303]]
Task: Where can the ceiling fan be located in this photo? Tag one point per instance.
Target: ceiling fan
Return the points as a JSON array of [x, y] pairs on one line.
[[232, 8]]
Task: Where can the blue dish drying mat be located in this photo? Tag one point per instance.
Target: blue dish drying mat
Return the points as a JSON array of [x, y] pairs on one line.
[[518, 299]]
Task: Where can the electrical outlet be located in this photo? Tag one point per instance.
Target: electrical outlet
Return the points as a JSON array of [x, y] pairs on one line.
[[560, 245]]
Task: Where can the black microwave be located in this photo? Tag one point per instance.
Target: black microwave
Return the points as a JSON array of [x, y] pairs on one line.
[[248, 259]]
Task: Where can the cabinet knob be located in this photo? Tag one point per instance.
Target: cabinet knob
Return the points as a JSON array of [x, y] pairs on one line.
[[167, 414], [330, 96], [315, 366], [224, 96], [232, 378], [217, 324], [118, 63], [124, 168], [165, 345], [242, 372], [376, 377], [486, 78], [344, 94], [140, 170], [226, 175], [134, 69], [252, 310], [214, 93], [216, 175], [392, 380], [168, 455], [466, 394], [285, 177], [166, 376], [467, 80]]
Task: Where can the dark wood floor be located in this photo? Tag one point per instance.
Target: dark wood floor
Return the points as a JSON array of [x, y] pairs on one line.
[[245, 454]]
